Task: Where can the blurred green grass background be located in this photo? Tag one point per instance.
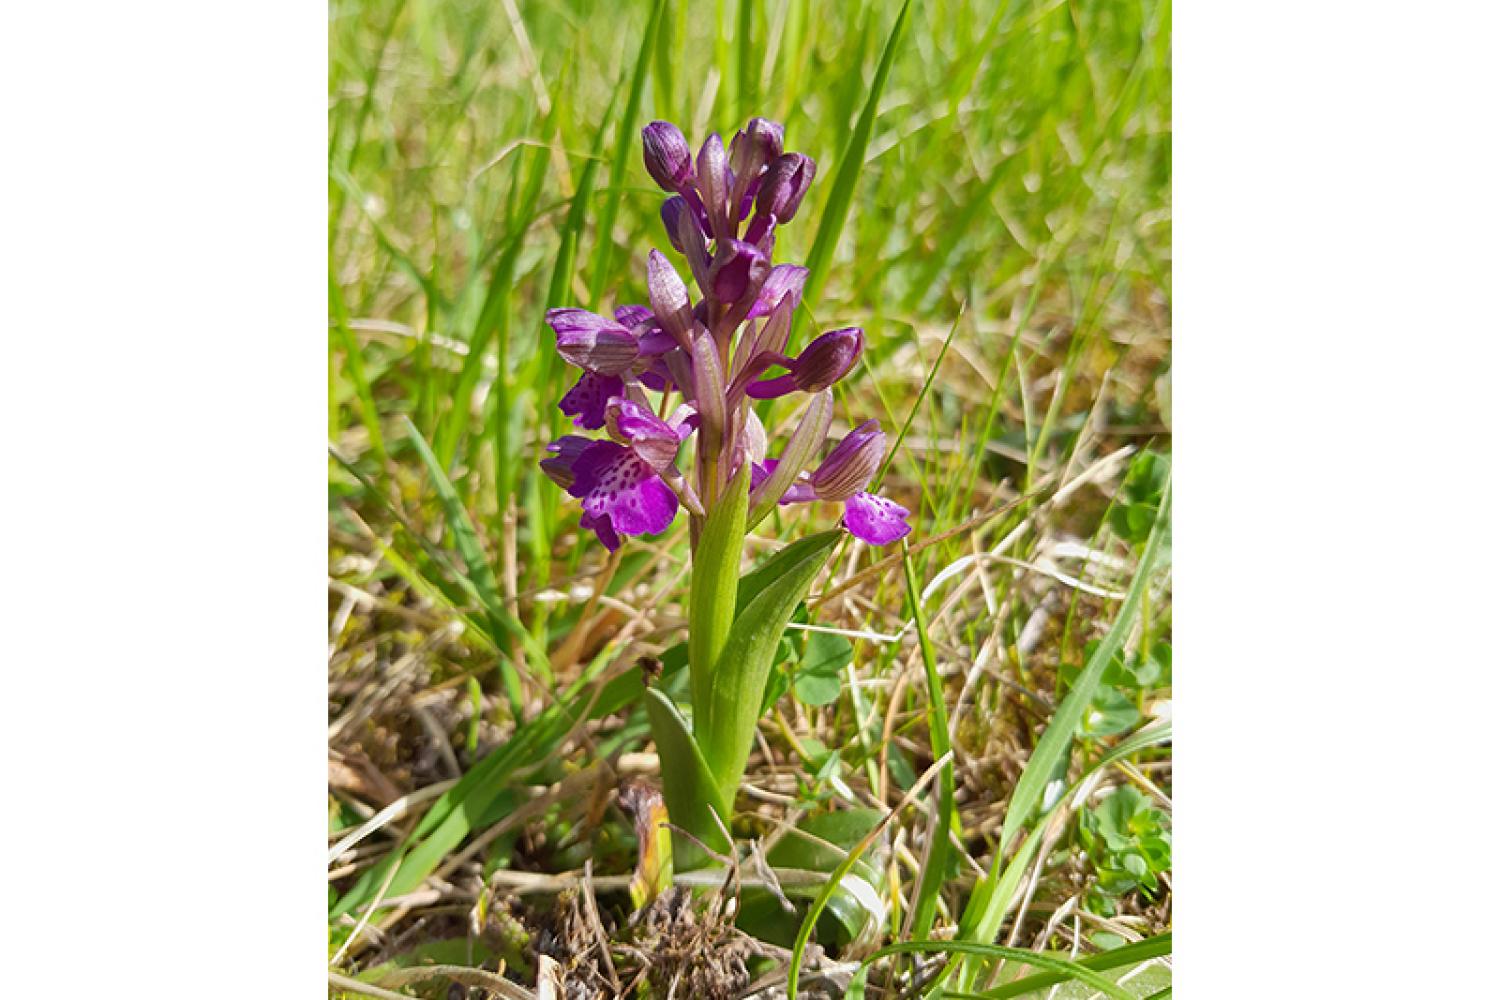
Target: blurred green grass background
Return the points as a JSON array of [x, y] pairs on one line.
[[1019, 163], [1007, 246]]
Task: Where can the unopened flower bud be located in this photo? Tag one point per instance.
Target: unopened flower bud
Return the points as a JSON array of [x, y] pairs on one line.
[[738, 271], [756, 145], [785, 183], [828, 358], [713, 184], [852, 464], [671, 217], [668, 159], [823, 362]]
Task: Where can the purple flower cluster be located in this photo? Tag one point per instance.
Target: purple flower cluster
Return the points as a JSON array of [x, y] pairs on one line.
[[716, 355]]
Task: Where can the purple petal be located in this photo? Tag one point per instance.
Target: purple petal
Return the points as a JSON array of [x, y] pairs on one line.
[[601, 527], [738, 270], [784, 279], [570, 320], [614, 483], [656, 342], [607, 350], [699, 212], [761, 471], [772, 388], [747, 202], [650, 437], [875, 519], [796, 493], [634, 421], [585, 402], [759, 227], [631, 317], [785, 183], [565, 451], [655, 376]]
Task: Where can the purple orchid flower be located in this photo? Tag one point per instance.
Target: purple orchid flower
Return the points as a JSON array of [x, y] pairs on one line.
[[621, 481], [841, 478]]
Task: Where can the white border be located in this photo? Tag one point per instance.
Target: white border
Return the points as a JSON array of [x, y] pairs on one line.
[[163, 501], [1335, 355], [164, 381]]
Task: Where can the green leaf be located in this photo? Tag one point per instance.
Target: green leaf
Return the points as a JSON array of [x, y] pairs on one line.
[[777, 565], [1111, 713], [627, 688], [714, 587], [818, 843], [687, 784], [1141, 494], [819, 675], [726, 727]]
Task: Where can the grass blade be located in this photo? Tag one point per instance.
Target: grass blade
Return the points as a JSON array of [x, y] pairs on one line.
[[935, 864], [921, 397], [1062, 967], [354, 358], [558, 289], [481, 574], [626, 149], [804, 933], [841, 196], [987, 907], [1130, 954]]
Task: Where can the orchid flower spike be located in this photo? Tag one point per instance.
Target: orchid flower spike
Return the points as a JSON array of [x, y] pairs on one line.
[[704, 346]]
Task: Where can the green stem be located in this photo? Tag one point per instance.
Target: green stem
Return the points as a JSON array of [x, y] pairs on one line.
[[716, 573]]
